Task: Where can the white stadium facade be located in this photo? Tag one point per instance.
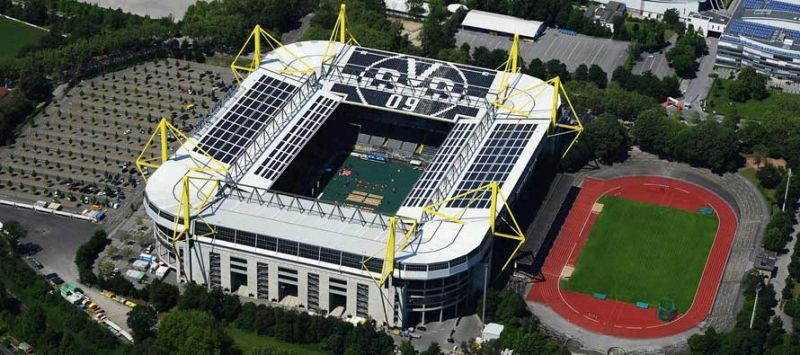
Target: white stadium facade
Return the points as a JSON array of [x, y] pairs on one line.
[[222, 219]]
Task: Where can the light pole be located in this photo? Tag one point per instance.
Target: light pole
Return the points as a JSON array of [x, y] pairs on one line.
[[753, 315], [786, 191]]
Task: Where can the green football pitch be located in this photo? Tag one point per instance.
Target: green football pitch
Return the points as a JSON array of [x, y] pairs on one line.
[[385, 184], [14, 36], [642, 252]]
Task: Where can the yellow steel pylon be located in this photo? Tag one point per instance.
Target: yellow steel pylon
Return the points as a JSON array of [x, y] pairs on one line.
[[391, 247], [533, 92], [256, 35], [492, 188], [163, 131], [183, 216], [510, 66], [340, 33]]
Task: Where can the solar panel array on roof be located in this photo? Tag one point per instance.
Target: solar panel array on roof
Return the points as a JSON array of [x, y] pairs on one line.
[[237, 128], [753, 4], [432, 176], [783, 6], [494, 162], [751, 29], [297, 137]]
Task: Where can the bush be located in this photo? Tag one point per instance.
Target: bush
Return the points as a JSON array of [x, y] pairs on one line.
[[87, 254]]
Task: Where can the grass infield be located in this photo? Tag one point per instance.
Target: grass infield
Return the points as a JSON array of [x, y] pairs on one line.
[[643, 252], [14, 36]]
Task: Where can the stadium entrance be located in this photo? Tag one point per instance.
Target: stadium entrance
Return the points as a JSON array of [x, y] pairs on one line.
[[364, 157]]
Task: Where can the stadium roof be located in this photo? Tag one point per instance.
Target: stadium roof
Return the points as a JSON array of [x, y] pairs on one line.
[[493, 22], [262, 127]]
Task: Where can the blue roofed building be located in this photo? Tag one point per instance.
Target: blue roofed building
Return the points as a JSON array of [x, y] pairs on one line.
[[765, 35]]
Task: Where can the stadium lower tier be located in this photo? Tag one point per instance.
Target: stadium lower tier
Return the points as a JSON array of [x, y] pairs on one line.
[[322, 287]]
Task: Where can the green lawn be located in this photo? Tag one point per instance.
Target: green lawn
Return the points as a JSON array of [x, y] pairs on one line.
[[642, 252], [777, 102], [250, 342], [14, 36], [392, 180]]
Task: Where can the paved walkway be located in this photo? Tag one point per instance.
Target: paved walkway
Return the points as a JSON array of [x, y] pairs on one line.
[[779, 281]]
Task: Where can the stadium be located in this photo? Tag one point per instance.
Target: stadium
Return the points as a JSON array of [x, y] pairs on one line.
[[354, 182]]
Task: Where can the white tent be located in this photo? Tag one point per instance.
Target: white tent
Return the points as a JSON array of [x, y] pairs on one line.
[[503, 24]]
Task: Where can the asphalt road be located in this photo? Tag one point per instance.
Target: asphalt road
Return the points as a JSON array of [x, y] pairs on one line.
[[60, 237], [697, 88]]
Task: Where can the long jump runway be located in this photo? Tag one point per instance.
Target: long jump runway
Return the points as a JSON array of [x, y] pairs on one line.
[[621, 319]]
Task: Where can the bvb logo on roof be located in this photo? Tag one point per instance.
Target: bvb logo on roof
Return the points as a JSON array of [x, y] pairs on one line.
[[441, 82]]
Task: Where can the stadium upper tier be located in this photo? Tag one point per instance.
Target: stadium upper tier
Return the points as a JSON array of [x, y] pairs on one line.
[[262, 127]]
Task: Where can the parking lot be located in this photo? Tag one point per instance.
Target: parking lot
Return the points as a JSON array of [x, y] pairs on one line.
[[572, 50], [58, 239], [80, 150]]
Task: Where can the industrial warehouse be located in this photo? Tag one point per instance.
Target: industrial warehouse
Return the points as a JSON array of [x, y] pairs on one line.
[[354, 182]]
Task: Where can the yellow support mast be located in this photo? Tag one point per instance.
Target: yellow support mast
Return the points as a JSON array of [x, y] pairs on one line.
[[256, 36], [389, 251], [496, 195], [533, 92], [204, 169], [510, 66], [340, 33], [164, 130]]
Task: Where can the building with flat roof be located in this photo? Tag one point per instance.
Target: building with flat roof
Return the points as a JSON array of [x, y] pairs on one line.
[[504, 25], [764, 35], [356, 182], [709, 23], [605, 13], [656, 8]]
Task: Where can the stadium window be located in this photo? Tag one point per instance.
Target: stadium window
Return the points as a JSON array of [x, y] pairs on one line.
[[287, 247], [330, 256], [225, 234], [351, 260], [246, 238], [267, 243], [309, 251]]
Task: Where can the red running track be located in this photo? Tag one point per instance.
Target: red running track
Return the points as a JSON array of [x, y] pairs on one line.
[[624, 319]]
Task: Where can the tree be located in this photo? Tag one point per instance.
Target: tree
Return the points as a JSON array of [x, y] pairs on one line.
[[708, 343], [406, 348], [141, 320], [191, 332], [769, 176], [598, 76], [608, 138], [582, 73], [536, 69], [35, 86], [105, 268], [163, 296], [433, 349], [15, 230]]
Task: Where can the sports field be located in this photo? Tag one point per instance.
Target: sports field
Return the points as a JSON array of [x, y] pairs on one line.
[[381, 187], [14, 36], [643, 252]]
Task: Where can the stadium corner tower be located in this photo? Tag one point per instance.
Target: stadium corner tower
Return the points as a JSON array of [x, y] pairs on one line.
[[353, 182]]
